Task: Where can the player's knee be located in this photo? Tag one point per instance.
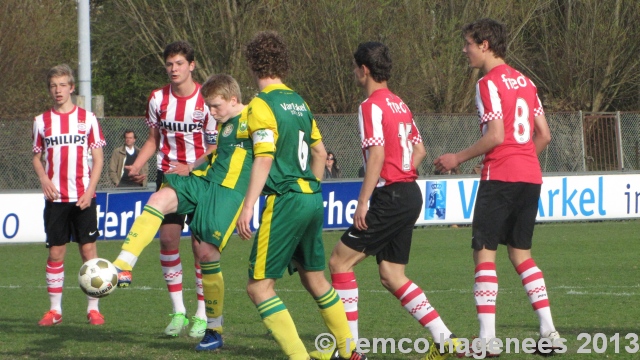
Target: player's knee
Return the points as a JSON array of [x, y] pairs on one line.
[[158, 201], [386, 283], [338, 263], [392, 281], [254, 291], [207, 252]]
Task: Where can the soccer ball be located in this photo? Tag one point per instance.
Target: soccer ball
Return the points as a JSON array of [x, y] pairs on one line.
[[98, 277]]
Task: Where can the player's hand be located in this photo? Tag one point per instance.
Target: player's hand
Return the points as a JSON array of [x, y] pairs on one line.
[[133, 171], [138, 179], [178, 168], [243, 224], [85, 200], [49, 190], [446, 162], [359, 217]]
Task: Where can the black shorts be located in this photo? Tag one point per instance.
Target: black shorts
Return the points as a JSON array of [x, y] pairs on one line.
[[64, 221], [172, 218], [505, 213], [393, 211]]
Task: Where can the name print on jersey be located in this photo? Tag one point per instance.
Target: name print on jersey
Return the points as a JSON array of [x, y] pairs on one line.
[[397, 107], [296, 109], [65, 140], [514, 84]]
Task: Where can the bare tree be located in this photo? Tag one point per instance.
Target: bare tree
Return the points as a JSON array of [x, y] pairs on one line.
[[586, 54], [34, 36]]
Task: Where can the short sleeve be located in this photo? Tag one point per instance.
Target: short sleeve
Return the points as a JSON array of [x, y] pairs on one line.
[[263, 128]]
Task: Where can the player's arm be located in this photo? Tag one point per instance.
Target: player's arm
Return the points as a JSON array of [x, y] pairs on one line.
[[98, 160], [318, 159], [144, 174], [419, 153], [493, 137], [541, 133], [48, 189], [211, 135], [263, 131], [259, 173], [371, 177]]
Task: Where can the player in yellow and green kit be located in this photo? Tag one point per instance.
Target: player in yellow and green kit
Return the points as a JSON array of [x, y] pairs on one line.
[[288, 165], [212, 194]]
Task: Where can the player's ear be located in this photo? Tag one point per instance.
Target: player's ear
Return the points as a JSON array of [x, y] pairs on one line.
[[485, 45], [365, 70]]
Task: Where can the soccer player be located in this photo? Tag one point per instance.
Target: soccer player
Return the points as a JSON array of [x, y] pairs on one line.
[[288, 165], [178, 119], [213, 193], [514, 132], [61, 139], [392, 149]]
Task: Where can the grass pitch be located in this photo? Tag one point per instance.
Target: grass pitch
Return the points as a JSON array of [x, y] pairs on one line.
[[591, 272]]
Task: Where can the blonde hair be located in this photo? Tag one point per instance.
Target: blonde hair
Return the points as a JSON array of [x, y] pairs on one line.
[[221, 84], [60, 70]]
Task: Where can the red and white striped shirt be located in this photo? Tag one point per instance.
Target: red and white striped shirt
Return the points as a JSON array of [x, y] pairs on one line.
[[504, 93], [385, 120], [65, 140], [182, 122]]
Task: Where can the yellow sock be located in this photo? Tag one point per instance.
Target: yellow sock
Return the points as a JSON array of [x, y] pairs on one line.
[[142, 232], [213, 289], [332, 311], [278, 321]]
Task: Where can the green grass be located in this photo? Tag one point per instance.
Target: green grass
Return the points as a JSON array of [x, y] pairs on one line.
[[591, 272]]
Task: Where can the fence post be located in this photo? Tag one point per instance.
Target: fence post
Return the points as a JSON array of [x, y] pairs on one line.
[[619, 142], [78, 100], [97, 104], [584, 155]]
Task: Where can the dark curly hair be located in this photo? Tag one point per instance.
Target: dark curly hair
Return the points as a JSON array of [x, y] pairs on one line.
[[491, 30], [375, 56], [180, 48], [267, 55]]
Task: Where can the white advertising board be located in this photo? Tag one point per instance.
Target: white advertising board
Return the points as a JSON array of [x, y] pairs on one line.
[[447, 200]]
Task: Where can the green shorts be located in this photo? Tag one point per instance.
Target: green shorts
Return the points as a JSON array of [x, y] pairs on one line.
[[213, 209], [290, 229]]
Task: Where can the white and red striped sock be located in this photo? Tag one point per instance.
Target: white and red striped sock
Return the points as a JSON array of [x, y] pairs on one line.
[[347, 288], [485, 291], [55, 281], [201, 311], [416, 303], [172, 270], [534, 285]]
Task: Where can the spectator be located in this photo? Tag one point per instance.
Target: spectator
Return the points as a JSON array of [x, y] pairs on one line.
[[331, 168], [126, 155]]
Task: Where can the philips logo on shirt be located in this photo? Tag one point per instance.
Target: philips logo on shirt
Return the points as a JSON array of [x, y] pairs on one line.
[[179, 126], [65, 140]]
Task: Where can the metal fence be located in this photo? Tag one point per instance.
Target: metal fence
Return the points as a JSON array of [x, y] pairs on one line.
[[580, 142]]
